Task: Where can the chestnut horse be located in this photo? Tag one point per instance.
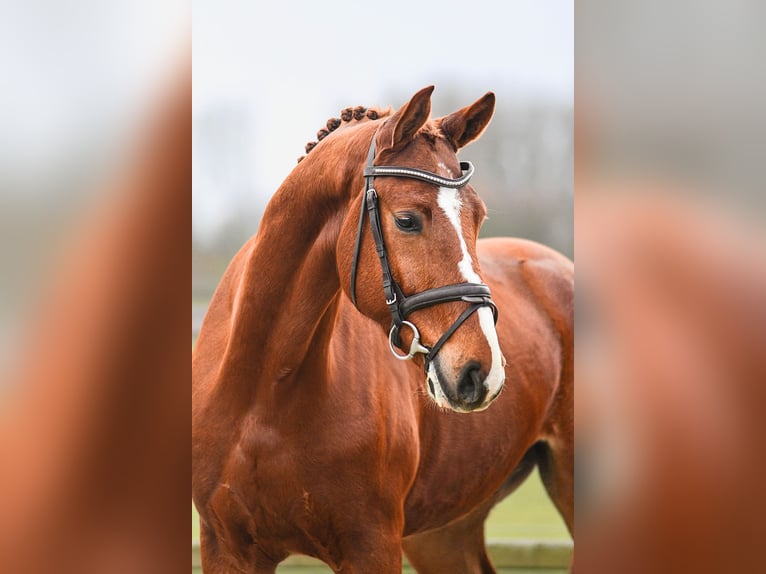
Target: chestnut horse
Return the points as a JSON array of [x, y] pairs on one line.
[[308, 435]]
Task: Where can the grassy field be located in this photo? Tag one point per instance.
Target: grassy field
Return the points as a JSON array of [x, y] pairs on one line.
[[527, 513]]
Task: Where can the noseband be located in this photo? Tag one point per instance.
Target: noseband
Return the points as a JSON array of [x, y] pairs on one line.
[[399, 304]]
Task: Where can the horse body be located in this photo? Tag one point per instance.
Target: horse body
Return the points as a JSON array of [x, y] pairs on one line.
[[309, 437]]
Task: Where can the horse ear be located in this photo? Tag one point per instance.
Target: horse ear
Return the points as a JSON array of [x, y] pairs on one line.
[[467, 124], [406, 122]]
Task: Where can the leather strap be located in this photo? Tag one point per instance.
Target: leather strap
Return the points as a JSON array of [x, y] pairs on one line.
[[357, 248], [395, 171], [358, 245], [449, 332], [445, 294], [391, 288]]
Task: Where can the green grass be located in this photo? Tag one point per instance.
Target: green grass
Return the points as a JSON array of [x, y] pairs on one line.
[[527, 513], [195, 524]]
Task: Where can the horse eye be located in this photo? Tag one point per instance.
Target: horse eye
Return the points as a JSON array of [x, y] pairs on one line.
[[407, 222]]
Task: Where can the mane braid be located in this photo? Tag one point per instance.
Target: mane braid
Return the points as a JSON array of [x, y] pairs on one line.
[[347, 116]]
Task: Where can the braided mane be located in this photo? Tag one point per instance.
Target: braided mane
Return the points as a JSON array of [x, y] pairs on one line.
[[347, 117]]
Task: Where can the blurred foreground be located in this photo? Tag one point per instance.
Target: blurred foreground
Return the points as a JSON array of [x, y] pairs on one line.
[[95, 410], [671, 325], [671, 301]]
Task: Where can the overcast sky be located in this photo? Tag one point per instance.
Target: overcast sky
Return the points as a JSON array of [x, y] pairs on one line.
[[74, 75], [288, 66]]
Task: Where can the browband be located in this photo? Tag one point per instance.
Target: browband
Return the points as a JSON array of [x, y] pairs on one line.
[[395, 171]]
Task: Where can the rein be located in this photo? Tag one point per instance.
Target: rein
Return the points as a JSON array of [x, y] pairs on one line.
[[399, 304]]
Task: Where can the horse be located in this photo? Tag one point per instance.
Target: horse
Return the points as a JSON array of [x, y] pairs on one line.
[[349, 417]]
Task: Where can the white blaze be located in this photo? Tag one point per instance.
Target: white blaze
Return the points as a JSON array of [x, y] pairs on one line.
[[438, 394], [449, 202]]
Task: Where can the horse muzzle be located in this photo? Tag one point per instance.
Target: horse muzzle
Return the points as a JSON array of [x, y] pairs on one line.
[[471, 389]]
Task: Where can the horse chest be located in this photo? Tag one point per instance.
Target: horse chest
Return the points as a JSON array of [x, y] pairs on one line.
[[293, 487]]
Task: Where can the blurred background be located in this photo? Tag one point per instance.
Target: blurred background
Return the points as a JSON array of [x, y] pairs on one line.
[[76, 80], [671, 295], [268, 76], [675, 91], [95, 205]]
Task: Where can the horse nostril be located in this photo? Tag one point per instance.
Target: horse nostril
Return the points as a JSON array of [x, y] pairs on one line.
[[471, 389]]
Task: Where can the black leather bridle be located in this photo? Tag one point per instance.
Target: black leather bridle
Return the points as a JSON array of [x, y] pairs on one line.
[[399, 304]]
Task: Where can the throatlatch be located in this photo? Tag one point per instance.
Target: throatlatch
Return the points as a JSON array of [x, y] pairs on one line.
[[399, 304]]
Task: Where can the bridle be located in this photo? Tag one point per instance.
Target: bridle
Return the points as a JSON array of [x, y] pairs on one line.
[[399, 304]]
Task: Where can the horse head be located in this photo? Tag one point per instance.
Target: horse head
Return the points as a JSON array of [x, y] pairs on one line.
[[418, 221]]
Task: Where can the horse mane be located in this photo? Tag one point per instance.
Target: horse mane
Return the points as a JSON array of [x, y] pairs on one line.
[[348, 116]]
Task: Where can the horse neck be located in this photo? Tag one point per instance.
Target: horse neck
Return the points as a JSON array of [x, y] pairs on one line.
[[284, 303]]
